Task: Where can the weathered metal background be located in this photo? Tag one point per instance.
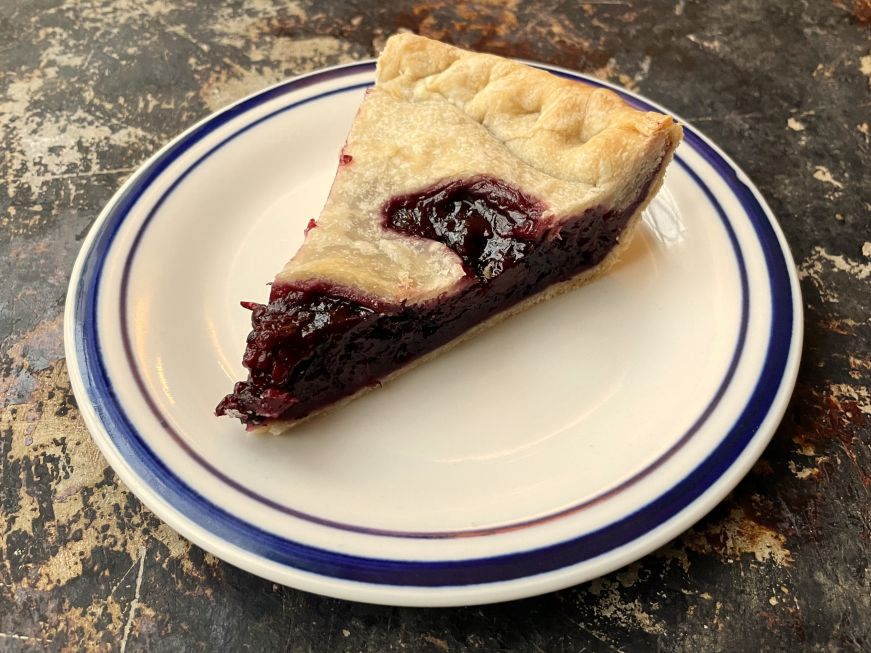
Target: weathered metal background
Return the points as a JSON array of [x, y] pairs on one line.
[[88, 89]]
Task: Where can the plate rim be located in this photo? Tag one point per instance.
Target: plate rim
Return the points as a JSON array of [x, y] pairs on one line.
[[610, 491], [348, 588]]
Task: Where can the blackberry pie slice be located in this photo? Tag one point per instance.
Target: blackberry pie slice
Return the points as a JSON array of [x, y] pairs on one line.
[[469, 188]]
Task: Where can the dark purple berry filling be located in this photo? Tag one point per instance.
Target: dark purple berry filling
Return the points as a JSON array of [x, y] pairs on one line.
[[313, 345], [278, 353], [488, 224]]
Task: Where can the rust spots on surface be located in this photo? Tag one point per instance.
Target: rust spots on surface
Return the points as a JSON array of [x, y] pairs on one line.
[[507, 30], [860, 10], [503, 28], [836, 414], [829, 425]]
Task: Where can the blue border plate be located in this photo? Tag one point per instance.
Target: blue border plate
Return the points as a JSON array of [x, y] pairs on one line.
[[425, 581]]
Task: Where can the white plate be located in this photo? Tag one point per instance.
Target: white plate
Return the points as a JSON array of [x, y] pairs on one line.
[[556, 447]]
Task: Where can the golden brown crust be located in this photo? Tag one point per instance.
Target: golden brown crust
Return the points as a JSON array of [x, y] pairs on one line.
[[437, 114]]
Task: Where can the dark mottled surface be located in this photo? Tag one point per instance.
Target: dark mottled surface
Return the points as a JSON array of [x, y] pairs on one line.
[[89, 88]]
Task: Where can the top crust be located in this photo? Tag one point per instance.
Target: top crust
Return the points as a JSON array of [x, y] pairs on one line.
[[438, 113], [566, 129]]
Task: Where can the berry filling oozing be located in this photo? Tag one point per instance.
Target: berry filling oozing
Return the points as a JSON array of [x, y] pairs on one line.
[[311, 346]]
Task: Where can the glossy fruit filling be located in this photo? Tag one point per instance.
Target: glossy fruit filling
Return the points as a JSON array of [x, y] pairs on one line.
[[311, 346], [488, 224]]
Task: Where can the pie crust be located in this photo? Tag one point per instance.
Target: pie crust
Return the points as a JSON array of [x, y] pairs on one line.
[[442, 122]]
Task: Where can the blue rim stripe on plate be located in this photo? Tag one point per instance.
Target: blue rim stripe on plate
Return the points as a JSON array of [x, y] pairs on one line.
[[425, 573], [118, 216]]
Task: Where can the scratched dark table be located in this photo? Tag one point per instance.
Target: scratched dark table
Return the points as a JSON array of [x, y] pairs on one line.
[[89, 89]]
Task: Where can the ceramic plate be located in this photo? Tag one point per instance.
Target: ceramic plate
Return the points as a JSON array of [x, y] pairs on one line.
[[558, 446]]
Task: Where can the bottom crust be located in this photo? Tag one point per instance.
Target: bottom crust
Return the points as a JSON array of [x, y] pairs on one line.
[[280, 426]]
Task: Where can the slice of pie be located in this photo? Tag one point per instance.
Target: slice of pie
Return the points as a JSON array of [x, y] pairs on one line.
[[470, 187]]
